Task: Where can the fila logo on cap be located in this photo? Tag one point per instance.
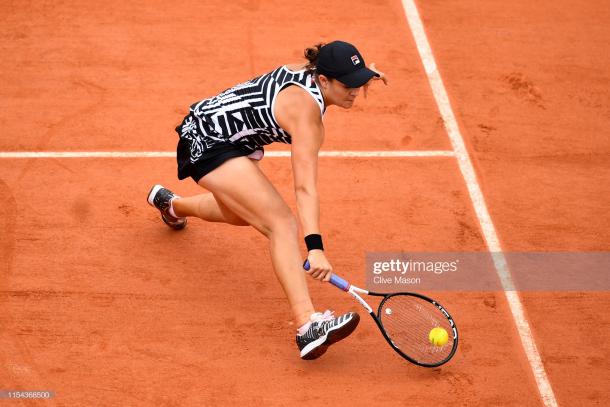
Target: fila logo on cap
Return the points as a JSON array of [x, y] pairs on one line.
[[355, 60]]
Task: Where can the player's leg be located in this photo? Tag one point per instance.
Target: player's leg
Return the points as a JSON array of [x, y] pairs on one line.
[[206, 207], [175, 209], [241, 193], [243, 188]]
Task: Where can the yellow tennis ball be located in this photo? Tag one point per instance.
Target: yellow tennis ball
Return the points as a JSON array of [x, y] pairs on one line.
[[438, 336]]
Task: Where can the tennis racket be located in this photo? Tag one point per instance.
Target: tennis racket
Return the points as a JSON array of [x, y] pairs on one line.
[[405, 320]]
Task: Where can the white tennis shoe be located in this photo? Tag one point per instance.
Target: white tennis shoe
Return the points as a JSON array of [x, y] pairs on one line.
[[324, 330], [161, 198]]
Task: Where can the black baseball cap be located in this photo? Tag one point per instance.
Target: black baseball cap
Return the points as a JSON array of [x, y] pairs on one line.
[[342, 61]]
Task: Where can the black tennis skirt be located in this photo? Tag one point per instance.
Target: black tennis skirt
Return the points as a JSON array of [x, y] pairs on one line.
[[210, 159], [208, 162]]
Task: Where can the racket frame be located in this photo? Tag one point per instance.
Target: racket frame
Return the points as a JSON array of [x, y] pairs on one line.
[[355, 292]]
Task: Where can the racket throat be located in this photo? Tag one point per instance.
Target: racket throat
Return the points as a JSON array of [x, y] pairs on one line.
[[361, 301]]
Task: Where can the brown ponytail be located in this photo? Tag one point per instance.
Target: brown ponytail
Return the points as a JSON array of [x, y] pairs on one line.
[[311, 54]]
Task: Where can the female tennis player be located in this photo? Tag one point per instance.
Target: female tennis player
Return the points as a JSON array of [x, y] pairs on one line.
[[221, 142]]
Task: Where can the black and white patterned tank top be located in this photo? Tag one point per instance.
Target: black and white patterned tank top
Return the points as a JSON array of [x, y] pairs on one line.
[[243, 114]]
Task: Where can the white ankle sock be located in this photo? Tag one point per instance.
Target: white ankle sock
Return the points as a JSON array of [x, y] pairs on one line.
[[304, 328], [171, 207], [312, 318]]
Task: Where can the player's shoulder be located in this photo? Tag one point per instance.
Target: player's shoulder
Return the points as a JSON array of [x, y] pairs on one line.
[[295, 67], [295, 102]]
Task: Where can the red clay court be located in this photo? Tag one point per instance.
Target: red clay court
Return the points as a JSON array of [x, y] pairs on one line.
[[495, 139]]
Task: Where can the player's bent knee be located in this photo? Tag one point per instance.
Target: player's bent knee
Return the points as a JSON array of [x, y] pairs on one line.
[[284, 225]]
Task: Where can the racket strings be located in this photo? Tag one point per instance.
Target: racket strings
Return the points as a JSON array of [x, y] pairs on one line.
[[408, 320]]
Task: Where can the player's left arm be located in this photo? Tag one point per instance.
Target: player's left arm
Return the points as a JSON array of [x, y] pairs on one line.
[[300, 116], [307, 138]]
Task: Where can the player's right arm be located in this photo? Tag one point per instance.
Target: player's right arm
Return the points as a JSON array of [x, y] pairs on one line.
[[298, 114]]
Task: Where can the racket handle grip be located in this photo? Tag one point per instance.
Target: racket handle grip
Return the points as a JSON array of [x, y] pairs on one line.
[[334, 279]]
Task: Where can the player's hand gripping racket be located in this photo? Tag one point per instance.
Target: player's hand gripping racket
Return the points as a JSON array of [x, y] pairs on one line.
[[418, 328]]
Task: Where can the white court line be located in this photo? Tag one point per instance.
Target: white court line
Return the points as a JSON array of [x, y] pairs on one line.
[[163, 154], [487, 226]]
